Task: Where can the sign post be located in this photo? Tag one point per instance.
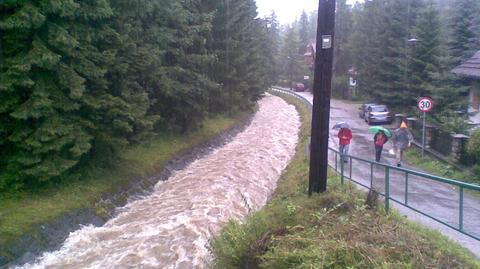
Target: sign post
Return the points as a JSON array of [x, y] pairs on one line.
[[425, 104]]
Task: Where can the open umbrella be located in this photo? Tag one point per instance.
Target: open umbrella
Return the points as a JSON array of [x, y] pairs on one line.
[[340, 125], [375, 129]]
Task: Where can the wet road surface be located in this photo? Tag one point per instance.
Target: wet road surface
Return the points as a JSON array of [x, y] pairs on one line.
[[434, 198], [171, 227]]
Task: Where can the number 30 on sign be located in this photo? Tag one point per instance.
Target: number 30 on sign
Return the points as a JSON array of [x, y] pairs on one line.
[[425, 104]]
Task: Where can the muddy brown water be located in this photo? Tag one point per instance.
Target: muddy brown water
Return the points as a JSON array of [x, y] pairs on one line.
[[171, 227]]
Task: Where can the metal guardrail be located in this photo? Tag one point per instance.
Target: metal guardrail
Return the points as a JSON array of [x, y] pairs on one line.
[[386, 178], [278, 90]]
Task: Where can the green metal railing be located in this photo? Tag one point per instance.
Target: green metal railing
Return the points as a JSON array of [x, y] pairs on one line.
[[339, 166], [459, 186]]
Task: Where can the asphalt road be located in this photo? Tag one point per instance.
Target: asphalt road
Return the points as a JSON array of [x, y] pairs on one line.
[[434, 198]]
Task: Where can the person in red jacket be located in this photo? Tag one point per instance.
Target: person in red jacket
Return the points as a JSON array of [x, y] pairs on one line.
[[344, 136], [379, 140]]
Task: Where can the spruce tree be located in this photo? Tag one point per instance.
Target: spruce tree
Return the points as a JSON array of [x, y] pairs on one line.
[[365, 43], [343, 32], [292, 62], [51, 74], [271, 48], [464, 30], [303, 32]]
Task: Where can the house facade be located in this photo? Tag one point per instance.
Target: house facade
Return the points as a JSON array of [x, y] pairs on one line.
[[309, 55], [471, 69]]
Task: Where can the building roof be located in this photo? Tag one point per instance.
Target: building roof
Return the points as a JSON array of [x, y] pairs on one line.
[[470, 68]]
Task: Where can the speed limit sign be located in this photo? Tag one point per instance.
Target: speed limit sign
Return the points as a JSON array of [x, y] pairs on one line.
[[425, 104]]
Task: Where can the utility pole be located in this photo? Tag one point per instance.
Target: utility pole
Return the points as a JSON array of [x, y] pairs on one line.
[[321, 97]]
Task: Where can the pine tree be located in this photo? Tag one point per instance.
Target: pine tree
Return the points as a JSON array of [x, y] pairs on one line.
[[80, 80], [465, 30], [186, 103], [50, 75], [425, 58], [303, 32], [365, 43], [431, 66], [292, 62], [312, 28], [343, 32], [271, 48], [236, 46]]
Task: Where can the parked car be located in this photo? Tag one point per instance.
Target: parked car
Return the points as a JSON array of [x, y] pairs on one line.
[[298, 87], [363, 109], [378, 114]]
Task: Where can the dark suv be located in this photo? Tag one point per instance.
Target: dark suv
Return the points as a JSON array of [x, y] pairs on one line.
[[378, 114]]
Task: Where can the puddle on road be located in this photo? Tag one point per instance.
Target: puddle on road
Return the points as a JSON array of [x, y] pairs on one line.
[[171, 227]]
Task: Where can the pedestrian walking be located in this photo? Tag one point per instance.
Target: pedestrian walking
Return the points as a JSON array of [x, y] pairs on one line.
[[379, 140], [344, 137], [403, 138]]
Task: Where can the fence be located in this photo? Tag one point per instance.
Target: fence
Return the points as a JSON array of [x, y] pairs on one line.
[[416, 191], [455, 204], [442, 142]]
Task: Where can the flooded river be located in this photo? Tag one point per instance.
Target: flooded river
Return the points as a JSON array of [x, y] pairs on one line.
[[171, 227]]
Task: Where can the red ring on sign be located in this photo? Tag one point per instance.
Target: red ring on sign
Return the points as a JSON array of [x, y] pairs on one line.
[[421, 104]]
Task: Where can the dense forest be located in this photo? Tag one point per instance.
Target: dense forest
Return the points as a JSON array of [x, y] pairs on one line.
[[82, 79], [373, 38]]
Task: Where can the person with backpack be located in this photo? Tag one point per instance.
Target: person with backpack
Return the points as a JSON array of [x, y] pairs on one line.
[[379, 140], [344, 137]]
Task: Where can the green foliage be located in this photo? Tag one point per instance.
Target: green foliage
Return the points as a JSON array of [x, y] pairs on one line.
[[397, 72], [454, 124], [464, 26], [303, 33], [80, 80], [473, 146], [439, 168], [339, 86], [343, 32], [291, 61]]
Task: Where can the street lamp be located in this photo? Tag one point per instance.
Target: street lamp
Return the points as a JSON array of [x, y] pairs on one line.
[[410, 42]]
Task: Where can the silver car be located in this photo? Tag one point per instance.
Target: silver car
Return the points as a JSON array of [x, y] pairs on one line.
[[363, 109], [378, 114]]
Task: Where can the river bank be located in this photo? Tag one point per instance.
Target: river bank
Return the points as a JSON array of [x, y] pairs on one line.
[[335, 229], [31, 223]]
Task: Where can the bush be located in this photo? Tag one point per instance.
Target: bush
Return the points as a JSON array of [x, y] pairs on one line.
[[473, 147], [454, 124]]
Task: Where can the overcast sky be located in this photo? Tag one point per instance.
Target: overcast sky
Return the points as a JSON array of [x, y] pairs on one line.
[[287, 10]]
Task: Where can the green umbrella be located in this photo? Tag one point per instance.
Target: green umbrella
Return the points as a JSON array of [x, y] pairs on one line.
[[375, 129]]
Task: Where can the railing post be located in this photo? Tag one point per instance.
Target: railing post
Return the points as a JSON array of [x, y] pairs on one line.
[[460, 215], [406, 188], [342, 172], [351, 168], [371, 175], [387, 188], [336, 161]]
